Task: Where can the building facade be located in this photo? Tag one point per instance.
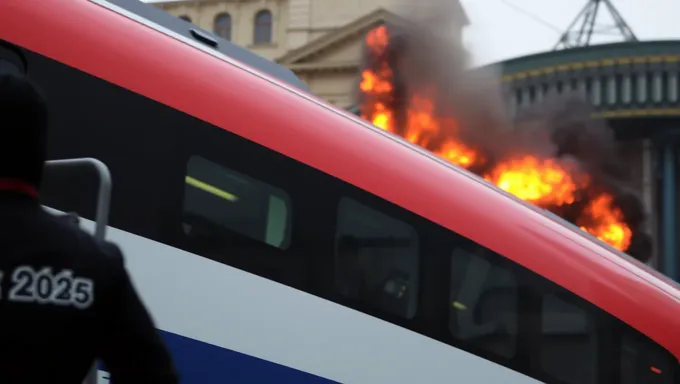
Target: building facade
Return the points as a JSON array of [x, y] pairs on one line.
[[320, 40]]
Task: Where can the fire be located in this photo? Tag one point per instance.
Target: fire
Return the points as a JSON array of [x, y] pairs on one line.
[[542, 182], [545, 182], [378, 39], [379, 84], [422, 125], [603, 220], [458, 154]]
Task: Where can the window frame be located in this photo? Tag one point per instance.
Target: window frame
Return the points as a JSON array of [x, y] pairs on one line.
[[260, 185], [263, 25], [601, 324], [478, 252], [223, 26], [637, 337], [529, 343], [292, 266], [521, 360], [414, 265]]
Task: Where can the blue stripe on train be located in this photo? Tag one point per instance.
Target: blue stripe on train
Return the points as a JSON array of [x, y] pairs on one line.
[[199, 362]]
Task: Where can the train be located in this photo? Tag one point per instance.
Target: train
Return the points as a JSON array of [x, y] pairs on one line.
[[276, 238]]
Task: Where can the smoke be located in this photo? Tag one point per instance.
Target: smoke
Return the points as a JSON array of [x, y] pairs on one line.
[[426, 60], [566, 129], [429, 59]]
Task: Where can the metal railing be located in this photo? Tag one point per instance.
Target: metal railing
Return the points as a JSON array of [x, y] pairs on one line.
[[103, 194], [101, 214]]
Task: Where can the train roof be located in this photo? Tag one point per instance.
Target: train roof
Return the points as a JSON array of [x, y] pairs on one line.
[[127, 52], [227, 48]]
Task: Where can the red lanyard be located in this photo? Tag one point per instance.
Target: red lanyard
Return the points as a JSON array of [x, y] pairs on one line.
[[16, 185]]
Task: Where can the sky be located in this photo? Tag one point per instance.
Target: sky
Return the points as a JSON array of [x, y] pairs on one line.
[[501, 29]]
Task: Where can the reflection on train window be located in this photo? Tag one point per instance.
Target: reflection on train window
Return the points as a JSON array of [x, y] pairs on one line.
[[645, 362], [376, 259], [215, 195], [568, 340], [483, 302]]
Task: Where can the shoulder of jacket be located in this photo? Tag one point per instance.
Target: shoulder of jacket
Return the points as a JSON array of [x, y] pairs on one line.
[[72, 232]]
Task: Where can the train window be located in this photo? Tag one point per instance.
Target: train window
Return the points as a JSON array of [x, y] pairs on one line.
[[644, 361], [376, 259], [483, 302], [569, 348], [493, 301], [215, 195]]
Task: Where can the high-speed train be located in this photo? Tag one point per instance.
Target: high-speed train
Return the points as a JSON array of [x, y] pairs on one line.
[[278, 239]]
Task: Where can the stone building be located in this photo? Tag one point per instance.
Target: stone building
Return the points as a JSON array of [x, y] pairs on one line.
[[320, 40]]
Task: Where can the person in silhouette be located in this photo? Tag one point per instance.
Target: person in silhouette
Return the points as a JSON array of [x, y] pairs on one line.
[[66, 299]]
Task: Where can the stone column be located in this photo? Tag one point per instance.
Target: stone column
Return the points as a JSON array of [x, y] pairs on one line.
[[299, 23], [668, 199], [647, 190]]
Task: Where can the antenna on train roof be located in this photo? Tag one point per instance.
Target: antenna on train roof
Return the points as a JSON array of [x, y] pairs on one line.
[[581, 30]]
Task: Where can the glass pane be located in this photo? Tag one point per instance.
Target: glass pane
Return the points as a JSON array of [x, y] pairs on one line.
[[569, 341], [483, 300], [217, 196], [377, 259], [645, 362]]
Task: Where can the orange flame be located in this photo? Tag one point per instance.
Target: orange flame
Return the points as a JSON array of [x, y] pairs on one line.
[[544, 182], [458, 154], [422, 125], [377, 39], [604, 221]]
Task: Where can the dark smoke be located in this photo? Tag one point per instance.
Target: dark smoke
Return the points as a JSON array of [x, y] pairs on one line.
[[566, 125], [427, 60]]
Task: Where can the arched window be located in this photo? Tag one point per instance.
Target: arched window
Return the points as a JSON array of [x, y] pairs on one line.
[[222, 26], [185, 18], [263, 27]]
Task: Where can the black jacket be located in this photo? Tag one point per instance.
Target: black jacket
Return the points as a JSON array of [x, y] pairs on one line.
[[66, 299]]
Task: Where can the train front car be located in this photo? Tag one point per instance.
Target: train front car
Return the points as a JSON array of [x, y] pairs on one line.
[[275, 238]]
